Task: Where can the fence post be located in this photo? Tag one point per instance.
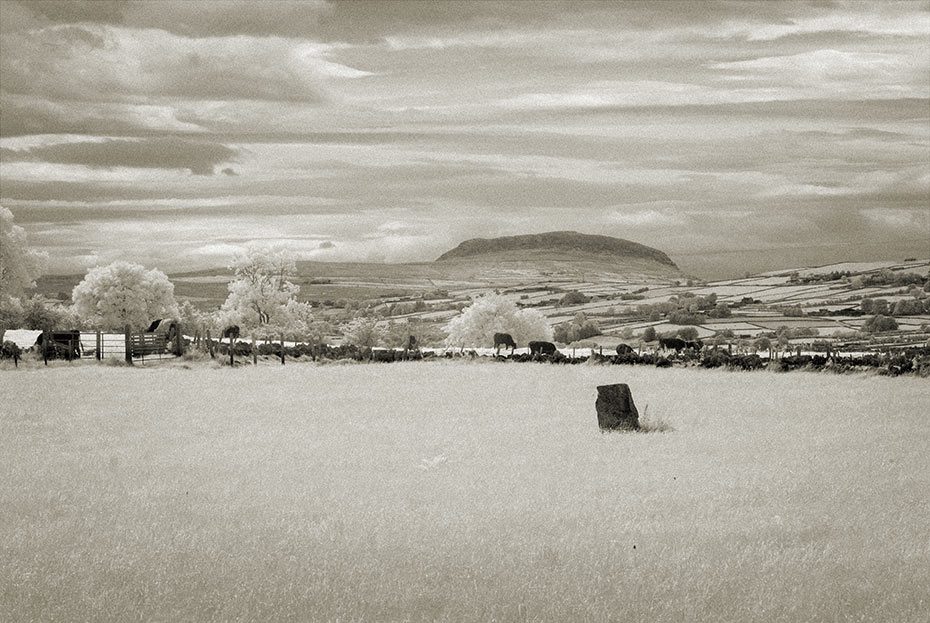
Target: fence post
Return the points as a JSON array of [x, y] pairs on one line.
[[45, 338], [232, 361], [178, 341], [128, 338], [210, 344], [99, 346], [254, 351], [282, 349]]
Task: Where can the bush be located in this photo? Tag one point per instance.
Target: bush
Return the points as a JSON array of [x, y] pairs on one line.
[[879, 323], [684, 317], [10, 350], [689, 334], [715, 359], [579, 328], [573, 298]]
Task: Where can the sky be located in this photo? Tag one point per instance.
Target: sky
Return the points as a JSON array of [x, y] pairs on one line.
[[734, 136]]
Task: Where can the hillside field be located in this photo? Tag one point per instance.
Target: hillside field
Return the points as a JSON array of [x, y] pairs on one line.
[[460, 491]]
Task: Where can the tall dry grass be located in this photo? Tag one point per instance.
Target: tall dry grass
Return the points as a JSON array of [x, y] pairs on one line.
[[449, 491]]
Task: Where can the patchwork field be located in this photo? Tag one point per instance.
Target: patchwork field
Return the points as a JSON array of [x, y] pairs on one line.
[[454, 491]]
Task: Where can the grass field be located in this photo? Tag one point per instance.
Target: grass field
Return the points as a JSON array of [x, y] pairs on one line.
[[454, 491]]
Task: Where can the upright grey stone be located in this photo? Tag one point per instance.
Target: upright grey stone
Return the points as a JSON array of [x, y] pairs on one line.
[[615, 408]]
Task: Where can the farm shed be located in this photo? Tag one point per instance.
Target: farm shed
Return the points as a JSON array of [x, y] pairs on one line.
[[24, 338]]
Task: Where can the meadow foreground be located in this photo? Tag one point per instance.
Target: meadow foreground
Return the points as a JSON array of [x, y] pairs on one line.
[[456, 491]]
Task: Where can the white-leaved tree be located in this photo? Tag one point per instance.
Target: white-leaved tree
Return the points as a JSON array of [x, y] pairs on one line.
[[491, 314], [123, 294], [363, 332], [262, 300], [19, 265]]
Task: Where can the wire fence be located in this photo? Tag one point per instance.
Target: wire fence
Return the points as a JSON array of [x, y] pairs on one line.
[[142, 346]]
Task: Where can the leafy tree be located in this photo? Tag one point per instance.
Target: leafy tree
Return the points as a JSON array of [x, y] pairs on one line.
[[573, 298], [783, 342], [293, 320], [121, 294], [397, 334], [880, 307], [192, 320], [19, 265], [762, 343], [578, 328], [685, 317], [262, 300], [721, 310], [318, 330], [363, 332], [492, 314], [39, 314], [909, 307], [649, 335], [689, 334], [879, 323], [11, 313]]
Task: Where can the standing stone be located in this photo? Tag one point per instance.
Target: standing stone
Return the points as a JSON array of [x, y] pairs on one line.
[[615, 408]]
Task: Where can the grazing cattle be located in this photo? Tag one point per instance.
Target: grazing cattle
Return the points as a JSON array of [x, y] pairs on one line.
[[63, 344], [697, 345], [231, 331], [672, 343], [542, 348], [503, 339], [624, 349]]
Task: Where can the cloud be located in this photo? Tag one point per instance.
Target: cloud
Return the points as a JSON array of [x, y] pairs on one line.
[[99, 11], [212, 18], [97, 63], [836, 73], [645, 218], [155, 153], [901, 19], [914, 220], [25, 115]]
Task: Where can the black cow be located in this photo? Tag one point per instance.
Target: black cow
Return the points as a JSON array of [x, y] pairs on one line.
[[697, 345], [231, 331], [624, 349], [503, 339], [672, 343], [62, 344], [542, 348]]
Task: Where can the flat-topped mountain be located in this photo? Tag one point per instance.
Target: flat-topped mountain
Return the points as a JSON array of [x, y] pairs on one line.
[[557, 244], [473, 265]]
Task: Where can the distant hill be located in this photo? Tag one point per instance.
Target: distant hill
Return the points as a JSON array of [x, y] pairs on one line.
[[556, 245]]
